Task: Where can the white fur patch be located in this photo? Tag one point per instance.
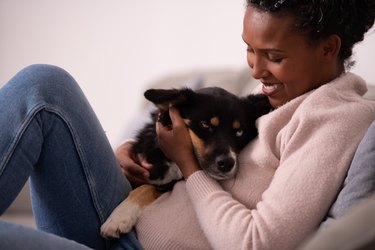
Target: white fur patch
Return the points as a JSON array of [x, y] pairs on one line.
[[122, 219], [172, 174]]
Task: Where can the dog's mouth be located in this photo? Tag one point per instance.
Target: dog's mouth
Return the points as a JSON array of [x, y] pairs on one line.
[[223, 167], [222, 176]]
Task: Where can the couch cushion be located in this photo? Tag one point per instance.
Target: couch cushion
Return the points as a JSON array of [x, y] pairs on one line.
[[354, 231], [360, 181], [370, 94]]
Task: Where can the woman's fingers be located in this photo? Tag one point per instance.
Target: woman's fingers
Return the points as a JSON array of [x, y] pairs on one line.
[[176, 144], [135, 167]]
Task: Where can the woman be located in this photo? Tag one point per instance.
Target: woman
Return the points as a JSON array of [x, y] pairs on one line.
[[289, 175]]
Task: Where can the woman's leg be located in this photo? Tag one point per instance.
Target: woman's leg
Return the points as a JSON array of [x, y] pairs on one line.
[[17, 237], [49, 132]]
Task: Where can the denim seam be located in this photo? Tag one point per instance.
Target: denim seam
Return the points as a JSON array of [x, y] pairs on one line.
[[82, 156], [24, 125]]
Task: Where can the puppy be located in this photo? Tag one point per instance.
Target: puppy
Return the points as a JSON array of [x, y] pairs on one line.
[[220, 125]]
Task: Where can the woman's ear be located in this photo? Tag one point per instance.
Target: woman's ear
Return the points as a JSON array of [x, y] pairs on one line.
[[331, 48]]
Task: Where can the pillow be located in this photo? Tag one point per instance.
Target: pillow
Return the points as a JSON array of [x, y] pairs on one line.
[[353, 231], [360, 180]]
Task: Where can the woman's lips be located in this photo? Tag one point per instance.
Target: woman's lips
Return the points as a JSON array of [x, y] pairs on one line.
[[270, 89]]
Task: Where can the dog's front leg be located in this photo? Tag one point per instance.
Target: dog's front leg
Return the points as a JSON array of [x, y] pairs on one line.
[[125, 215]]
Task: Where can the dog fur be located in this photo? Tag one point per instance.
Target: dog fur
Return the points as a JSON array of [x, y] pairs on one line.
[[220, 125]]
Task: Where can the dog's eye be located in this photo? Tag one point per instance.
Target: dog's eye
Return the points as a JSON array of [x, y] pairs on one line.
[[239, 133], [204, 125]]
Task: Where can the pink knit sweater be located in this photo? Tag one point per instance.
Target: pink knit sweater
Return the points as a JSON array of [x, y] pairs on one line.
[[288, 178]]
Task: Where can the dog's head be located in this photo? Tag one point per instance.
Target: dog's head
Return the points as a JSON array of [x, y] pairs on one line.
[[220, 124]]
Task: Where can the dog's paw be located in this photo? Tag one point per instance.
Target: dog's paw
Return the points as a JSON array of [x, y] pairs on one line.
[[125, 216], [122, 220]]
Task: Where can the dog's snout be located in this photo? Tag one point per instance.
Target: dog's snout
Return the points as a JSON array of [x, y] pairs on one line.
[[225, 163]]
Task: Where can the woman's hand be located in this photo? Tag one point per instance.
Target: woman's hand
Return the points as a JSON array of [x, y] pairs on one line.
[[135, 167], [176, 144]]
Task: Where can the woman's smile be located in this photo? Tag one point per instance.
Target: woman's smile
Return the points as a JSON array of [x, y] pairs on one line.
[[270, 89], [283, 59]]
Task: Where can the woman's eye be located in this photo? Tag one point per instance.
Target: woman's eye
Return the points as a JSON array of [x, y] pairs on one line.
[[275, 59], [249, 49], [239, 133]]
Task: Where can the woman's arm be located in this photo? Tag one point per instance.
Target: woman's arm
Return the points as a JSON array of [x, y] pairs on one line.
[[314, 158], [315, 154]]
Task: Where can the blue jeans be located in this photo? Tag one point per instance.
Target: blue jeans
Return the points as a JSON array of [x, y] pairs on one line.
[[50, 133]]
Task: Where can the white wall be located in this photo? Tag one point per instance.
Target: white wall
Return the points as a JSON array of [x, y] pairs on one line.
[[364, 54], [115, 48]]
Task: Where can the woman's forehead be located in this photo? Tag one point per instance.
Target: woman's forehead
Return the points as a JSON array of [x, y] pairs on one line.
[[261, 28]]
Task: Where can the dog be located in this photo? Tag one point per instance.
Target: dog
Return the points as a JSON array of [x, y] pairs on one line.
[[220, 125]]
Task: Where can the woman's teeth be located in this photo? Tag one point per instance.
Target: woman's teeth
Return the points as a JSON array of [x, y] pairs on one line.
[[270, 87]]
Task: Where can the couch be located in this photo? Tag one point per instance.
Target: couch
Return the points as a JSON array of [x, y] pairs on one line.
[[237, 81]]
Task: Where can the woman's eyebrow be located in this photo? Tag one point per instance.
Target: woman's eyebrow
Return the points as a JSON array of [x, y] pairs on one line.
[[243, 39], [266, 49]]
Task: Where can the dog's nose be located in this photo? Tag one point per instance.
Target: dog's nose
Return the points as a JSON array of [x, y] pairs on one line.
[[225, 163]]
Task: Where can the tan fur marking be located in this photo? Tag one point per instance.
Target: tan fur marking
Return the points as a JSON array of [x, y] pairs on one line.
[[215, 121], [163, 106], [236, 124], [144, 195], [197, 143], [187, 121]]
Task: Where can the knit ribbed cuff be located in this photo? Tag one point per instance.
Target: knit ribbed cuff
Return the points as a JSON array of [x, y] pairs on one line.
[[200, 185]]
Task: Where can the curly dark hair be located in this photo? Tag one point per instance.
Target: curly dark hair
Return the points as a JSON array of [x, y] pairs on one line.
[[349, 19]]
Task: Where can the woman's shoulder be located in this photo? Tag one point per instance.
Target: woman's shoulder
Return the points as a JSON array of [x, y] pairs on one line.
[[341, 97], [337, 105]]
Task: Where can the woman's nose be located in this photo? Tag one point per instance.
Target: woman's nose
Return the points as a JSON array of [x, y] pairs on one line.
[[259, 69], [258, 73]]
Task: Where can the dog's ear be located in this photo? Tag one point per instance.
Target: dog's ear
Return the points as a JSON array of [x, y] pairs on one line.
[[162, 98], [257, 105]]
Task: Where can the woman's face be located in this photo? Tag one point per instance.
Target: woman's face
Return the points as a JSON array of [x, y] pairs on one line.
[[281, 58]]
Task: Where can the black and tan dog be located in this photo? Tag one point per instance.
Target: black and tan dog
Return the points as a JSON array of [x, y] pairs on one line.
[[220, 125]]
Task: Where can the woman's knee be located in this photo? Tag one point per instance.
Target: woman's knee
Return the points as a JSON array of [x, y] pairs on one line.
[[44, 83], [45, 74]]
